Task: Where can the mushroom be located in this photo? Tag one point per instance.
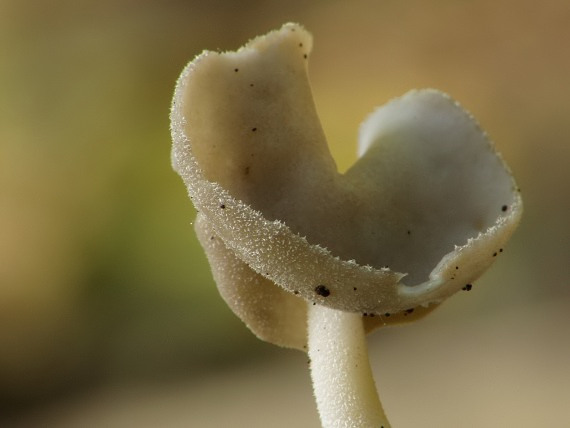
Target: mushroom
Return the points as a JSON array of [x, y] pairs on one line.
[[310, 258]]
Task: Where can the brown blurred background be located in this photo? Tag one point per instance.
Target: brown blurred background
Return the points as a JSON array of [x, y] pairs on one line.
[[108, 313]]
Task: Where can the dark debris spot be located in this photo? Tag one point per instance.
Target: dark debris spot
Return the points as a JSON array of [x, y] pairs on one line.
[[409, 232], [321, 290], [254, 129], [365, 314], [251, 85], [300, 45], [500, 250], [305, 56], [494, 254], [211, 238], [467, 287], [246, 170], [504, 208], [295, 292], [387, 314], [408, 311], [456, 267], [236, 69], [354, 288], [222, 206]]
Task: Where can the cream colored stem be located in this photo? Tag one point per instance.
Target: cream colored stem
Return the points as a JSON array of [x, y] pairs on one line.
[[342, 379]]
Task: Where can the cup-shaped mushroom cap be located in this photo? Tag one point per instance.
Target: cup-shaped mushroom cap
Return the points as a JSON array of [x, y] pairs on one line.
[[427, 207]]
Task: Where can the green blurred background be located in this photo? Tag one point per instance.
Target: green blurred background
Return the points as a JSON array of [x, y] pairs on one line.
[[108, 312]]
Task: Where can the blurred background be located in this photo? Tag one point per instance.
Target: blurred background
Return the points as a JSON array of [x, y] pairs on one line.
[[108, 312]]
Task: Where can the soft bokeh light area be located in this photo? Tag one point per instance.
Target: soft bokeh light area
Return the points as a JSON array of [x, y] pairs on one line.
[[108, 312]]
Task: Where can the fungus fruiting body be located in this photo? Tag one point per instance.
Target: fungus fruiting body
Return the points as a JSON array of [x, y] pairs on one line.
[[307, 256]]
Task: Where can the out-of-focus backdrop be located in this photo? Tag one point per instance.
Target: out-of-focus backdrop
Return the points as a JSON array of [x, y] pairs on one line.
[[108, 312]]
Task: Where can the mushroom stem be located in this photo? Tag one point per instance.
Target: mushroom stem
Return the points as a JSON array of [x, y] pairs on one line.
[[342, 379]]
